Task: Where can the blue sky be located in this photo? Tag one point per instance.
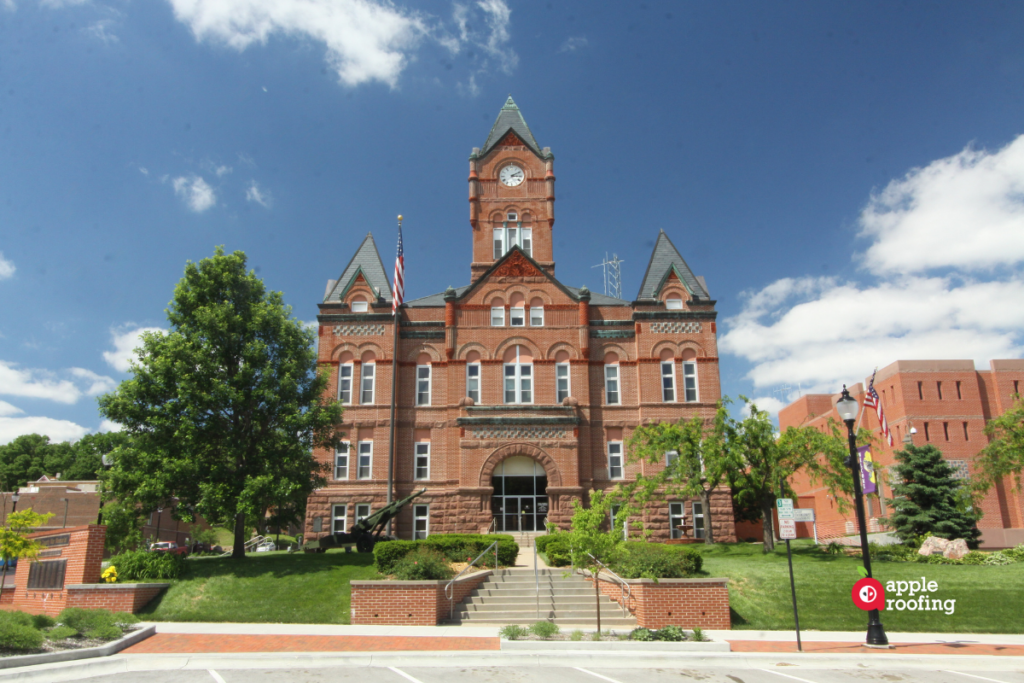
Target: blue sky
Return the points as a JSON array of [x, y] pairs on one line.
[[848, 177]]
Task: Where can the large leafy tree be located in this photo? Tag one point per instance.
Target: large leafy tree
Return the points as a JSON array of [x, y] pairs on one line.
[[1004, 455], [225, 408], [927, 499], [703, 456]]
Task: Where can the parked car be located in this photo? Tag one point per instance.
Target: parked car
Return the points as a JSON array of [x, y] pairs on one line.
[[168, 547]]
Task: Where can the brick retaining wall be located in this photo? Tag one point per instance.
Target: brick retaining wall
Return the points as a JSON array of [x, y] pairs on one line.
[[689, 603], [116, 597], [411, 603]]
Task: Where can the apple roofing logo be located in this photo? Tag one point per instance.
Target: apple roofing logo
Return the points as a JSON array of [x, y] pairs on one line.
[[868, 594]]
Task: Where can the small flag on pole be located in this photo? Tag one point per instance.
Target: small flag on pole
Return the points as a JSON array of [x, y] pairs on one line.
[[871, 400], [399, 288]]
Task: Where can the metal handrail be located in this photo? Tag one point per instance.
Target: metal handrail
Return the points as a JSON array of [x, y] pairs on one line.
[[626, 595], [451, 598]]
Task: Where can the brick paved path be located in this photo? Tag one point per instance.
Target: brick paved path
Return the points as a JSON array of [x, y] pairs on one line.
[[225, 643], [900, 648]]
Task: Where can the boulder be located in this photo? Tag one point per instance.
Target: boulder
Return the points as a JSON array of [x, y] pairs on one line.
[[933, 545], [957, 549]]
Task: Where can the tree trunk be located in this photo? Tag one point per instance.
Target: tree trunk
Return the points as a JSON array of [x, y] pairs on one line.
[[238, 552], [769, 525], [705, 501]]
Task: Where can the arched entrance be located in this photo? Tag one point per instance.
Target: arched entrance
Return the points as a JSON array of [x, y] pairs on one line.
[[520, 500]]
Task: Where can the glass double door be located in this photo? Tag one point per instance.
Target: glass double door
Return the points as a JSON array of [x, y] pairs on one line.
[[520, 513]]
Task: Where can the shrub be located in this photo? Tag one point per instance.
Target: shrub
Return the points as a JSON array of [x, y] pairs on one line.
[[61, 632], [559, 553], [543, 541], [834, 548], [387, 553], [41, 621], [17, 618], [641, 634], [140, 565], [544, 629], [596, 635], [91, 623], [698, 635], [512, 632], [576, 635], [997, 559], [973, 557], [640, 560], [424, 564], [18, 636], [454, 547], [1015, 554], [124, 619], [109, 632], [673, 634]]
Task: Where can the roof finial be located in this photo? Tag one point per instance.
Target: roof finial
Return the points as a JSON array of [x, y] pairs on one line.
[[509, 103]]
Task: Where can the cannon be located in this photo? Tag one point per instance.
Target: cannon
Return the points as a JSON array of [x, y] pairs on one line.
[[366, 532]]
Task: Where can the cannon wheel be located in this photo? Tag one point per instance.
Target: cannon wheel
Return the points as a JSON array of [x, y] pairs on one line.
[[365, 544]]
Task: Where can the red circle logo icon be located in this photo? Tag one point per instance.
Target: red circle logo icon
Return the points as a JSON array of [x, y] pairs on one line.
[[868, 594]]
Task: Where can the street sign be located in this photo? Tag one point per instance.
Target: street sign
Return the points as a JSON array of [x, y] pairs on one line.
[[803, 514], [785, 507], [787, 529]]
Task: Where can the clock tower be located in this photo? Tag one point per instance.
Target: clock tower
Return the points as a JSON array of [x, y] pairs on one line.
[[511, 194]]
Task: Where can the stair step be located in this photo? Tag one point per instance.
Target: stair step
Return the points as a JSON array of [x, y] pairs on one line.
[[525, 607], [591, 621], [544, 592]]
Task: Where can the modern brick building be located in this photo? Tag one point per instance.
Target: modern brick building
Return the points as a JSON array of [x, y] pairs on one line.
[[949, 403], [515, 392]]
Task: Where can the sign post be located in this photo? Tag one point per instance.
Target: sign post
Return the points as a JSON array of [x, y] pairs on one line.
[[787, 531]]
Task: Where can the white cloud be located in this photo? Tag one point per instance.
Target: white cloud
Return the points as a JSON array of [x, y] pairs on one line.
[[143, 170], [125, 342], [101, 31], [36, 384], [255, 194], [769, 404], [7, 409], [110, 426], [6, 267], [573, 43], [58, 430], [223, 171], [98, 384], [195, 191], [964, 215]]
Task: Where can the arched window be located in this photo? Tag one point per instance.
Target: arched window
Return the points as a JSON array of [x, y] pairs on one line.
[[536, 312], [359, 305], [518, 375], [517, 310], [497, 312], [473, 376], [674, 304], [691, 394], [513, 234], [611, 379], [367, 376], [345, 378], [423, 380], [668, 376], [562, 386]]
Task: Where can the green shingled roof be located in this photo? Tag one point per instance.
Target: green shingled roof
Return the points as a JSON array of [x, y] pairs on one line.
[[367, 260], [509, 118], [664, 259]]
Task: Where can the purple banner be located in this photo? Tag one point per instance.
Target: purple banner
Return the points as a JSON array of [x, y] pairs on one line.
[[867, 470]]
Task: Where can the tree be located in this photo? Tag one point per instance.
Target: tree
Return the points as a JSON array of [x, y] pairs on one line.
[[590, 546], [13, 540], [927, 499], [1004, 455], [225, 408], [704, 457], [769, 461]]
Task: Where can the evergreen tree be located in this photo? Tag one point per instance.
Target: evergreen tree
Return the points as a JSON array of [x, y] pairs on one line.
[[928, 500]]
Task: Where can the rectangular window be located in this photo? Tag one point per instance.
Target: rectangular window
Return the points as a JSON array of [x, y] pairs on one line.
[[497, 316], [920, 391], [365, 469], [1016, 386], [499, 243], [420, 522], [690, 381], [519, 383], [339, 519], [341, 461], [423, 460], [536, 316], [517, 316], [562, 381], [611, 384], [366, 390], [615, 460], [359, 307], [967, 437], [423, 385], [668, 382], [674, 304], [671, 457], [613, 512], [345, 383], [676, 519], [698, 520], [938, 386], [473, 381], [927, 436], [528, 241], [959, 393], [362, 512], [945, 430], [512, 236]]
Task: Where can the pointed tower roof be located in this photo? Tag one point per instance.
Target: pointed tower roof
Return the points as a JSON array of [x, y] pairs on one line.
[[665, 259], [366, 261], [510, 118]]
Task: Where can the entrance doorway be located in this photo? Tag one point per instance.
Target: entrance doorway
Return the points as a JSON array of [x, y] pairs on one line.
[[520, 501]]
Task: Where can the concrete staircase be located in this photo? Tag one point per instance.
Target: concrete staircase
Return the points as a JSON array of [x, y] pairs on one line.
[[510, 597]]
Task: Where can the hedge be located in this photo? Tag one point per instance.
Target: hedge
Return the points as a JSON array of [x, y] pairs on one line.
[[637, 559], [454, 547], [136, 565]]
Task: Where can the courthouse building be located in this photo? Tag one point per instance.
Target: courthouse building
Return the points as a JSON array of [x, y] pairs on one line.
[[516, 392], [944, 403]]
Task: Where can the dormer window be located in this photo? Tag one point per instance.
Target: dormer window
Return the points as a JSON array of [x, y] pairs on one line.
[[674, 304], [359, 306]]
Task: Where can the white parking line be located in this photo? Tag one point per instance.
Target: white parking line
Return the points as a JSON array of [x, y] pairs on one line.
[[604, 678], [405, 675], [216, 676], [960, 673], [779, 673]]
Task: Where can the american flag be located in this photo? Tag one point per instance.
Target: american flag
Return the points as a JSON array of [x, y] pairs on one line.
[[871, 400], [399, 288]]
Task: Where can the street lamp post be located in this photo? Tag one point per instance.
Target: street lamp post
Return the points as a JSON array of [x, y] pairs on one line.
[[847, 408]]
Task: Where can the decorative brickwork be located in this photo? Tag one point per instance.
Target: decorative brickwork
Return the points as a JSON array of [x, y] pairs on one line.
[[359, 330], [519, 433], [676, 328]]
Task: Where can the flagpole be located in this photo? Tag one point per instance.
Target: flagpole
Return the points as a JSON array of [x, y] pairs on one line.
[[394, 378]]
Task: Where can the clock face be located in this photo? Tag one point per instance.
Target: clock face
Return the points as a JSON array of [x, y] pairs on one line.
[[512, 175]]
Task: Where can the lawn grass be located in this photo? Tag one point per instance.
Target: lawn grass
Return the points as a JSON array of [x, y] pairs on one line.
[[988, 598], [273, 587]]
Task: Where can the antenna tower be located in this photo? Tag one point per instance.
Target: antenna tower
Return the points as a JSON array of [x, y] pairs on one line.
[[612, 273]]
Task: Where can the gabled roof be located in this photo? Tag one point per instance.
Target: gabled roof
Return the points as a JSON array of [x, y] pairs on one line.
[[509, 118], [366, 261], [665, 259]]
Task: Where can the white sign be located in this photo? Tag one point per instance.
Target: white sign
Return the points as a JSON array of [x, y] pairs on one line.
[[803, 515], [787, 529], [785, 507]]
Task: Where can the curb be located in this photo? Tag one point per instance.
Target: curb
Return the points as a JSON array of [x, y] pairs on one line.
[[679, 648], [111, 648]]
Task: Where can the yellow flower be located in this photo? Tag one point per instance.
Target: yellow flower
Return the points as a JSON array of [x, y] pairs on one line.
[[110, 574]]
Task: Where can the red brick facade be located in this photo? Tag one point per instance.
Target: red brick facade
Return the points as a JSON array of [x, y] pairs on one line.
[[116, 597], [688, 603], [668, 334], [949, 403], [409, 603]]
